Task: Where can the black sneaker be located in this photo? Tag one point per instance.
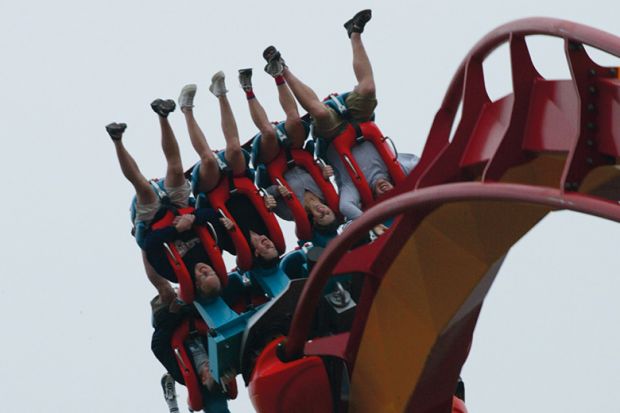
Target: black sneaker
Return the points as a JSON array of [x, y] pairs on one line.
[[271, 53], [163, 107], [357, 23], [115, 130]]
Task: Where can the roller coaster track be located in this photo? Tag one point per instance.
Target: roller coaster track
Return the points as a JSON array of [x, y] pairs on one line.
[[549, 145]]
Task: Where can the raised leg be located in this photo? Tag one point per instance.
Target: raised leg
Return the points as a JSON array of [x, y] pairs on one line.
[[129, 167], [306, 97], [170, 147], [209, 170], [294, 127], [362, 67], [234, 155]]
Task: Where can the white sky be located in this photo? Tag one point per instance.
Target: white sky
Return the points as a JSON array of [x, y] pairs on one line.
[[74, 298]]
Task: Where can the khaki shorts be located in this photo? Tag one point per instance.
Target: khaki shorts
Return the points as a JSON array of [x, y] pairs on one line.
[[361, 108], [179, 196]]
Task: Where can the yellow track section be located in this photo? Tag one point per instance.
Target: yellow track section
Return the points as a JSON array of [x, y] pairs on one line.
[[431, 284]]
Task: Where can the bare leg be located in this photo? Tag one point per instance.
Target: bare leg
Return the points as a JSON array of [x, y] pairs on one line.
[[174, 170], [234, 155], [129, 167], [269, 146], [209, 169], [362, 67], [306, 96], [294, 128]]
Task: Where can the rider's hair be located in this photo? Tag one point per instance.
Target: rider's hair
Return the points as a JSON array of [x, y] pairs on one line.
[[325, 229]]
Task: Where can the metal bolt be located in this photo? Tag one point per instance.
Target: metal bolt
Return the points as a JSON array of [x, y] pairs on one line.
[[591, 126], [589, 161], [591, 107], [590, 142], [593, 90], [567, 186], [613, 71], [592, 72]]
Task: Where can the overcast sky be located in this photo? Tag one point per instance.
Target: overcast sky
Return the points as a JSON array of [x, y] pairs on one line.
[[74, 298]]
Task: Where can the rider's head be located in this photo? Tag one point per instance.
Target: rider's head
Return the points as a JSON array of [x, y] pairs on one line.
[[207, 282], [263, 248], [320, 215], [381, 186]]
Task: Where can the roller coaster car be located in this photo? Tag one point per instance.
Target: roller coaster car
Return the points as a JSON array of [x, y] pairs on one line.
[[275, 170], [207, 238]]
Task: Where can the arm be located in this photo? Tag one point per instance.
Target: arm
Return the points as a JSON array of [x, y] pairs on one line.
[[408, 162], [210, 215], [350, 201], [161, 344], [280, 209], [163, 286], [156, 239], [206, 215]]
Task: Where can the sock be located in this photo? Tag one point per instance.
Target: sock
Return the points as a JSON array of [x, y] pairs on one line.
[[249, 94], [280, 80], [173, 406]]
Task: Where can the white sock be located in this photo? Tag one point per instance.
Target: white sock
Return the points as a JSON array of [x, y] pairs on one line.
[[172, 405]]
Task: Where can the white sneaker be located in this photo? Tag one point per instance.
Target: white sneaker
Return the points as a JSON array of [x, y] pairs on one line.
[[218, 86], [186, 98], [170, 395]]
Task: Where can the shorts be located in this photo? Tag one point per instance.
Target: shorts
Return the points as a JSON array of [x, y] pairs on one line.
[[361, 108], [179, 196]]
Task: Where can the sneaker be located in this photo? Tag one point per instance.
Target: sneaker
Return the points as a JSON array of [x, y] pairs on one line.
[[163, 107], [218, 85], [245, 79], [186, 98], [357, 23], [275, 64], [271, 53], [170, 395], [115, 130]]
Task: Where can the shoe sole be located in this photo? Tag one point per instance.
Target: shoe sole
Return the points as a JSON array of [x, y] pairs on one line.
[[219, 75]]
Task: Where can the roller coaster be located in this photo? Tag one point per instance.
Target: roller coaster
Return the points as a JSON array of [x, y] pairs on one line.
[[386, 325]]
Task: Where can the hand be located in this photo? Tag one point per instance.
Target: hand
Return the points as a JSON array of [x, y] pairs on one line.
[[328, 171], [284, 192], [205, 376], [228, 224], [175, 306], [228, 376], [166, 294], [270, 201], [379, 229], [184, 222]]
